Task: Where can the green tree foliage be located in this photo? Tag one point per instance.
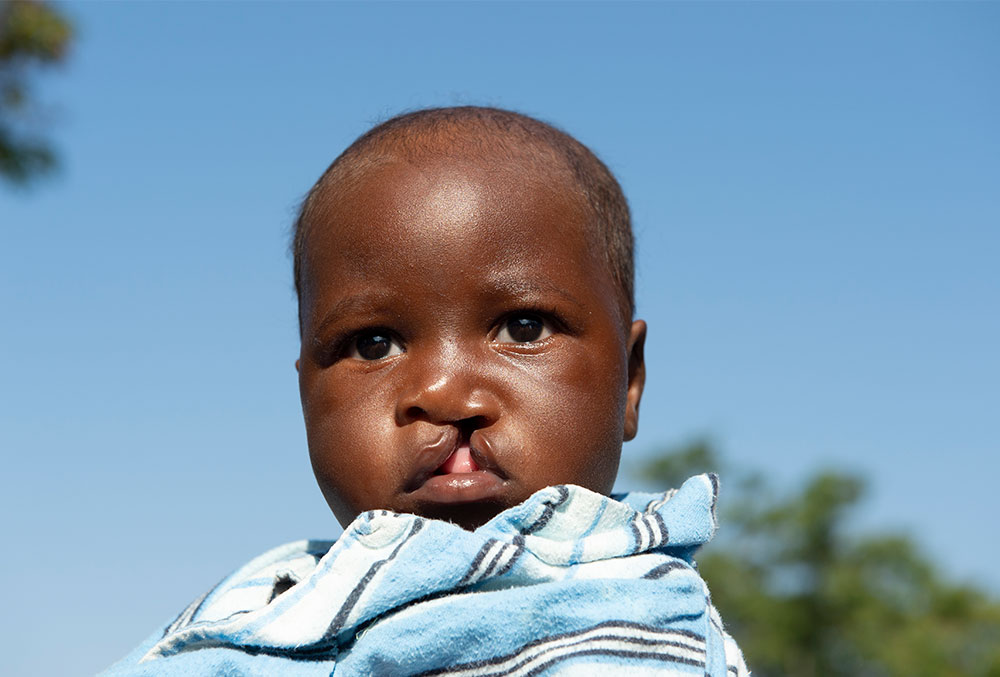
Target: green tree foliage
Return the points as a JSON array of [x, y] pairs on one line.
[[806, 597], [32, 34]]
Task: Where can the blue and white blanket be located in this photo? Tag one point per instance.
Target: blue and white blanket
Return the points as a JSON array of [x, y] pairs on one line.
[[568, 582]]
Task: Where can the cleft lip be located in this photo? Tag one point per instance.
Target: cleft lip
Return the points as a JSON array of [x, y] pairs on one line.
[[431, 458]]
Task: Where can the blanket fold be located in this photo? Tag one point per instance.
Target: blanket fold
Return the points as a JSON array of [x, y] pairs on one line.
[[568, 582]]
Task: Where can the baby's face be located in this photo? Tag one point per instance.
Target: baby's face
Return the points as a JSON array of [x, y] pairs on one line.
[[462, 343]]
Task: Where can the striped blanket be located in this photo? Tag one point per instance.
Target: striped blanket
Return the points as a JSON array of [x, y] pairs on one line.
[[568, 582]]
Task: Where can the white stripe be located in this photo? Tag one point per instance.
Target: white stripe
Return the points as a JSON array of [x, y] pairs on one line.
[[654, 528], [608, 646], [505, 556], [485, 561]]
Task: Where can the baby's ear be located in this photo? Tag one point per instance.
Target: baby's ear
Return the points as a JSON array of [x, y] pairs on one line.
[[636, 377], [296, 365]]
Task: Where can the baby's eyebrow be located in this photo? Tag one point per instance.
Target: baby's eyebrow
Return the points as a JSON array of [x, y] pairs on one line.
[[500, 285], [518, 286], [362, 302]]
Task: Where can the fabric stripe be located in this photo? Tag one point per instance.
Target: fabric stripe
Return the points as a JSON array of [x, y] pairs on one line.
[[664, 569], [550, 508], [477, 560], [518, 550], [714, 479], [643, 533], [493, 562], [656, 536], [610, 638], [338, 622], [664, 531], [635, 535], [617, 653]]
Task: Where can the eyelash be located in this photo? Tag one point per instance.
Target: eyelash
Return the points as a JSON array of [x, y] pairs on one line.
[[549, 326], [348, 345], [343, 347]]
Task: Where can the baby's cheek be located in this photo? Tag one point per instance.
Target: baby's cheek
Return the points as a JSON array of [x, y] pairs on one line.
[[580, 412], [593, 378], [599, 398]]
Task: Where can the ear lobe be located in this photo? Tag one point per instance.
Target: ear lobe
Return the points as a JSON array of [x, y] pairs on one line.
[[636, 378]]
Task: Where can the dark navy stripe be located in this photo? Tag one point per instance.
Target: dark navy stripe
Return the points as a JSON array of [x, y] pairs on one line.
[[635, 535], [326, 653], [664, 569], [518, 551], [618, 653], [536, 644], [583, 649], [715, 491], [477, 560], [664, 532], [550, 508], [655, 535], [644, 532], [494, 561]]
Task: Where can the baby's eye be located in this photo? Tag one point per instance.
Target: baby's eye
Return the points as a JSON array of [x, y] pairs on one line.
[[523, 329], [374, 345]]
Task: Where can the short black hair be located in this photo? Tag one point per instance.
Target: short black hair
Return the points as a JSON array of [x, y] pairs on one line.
[[488, 132]]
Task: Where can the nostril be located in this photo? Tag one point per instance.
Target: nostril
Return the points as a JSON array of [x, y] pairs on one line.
[[415, 413]]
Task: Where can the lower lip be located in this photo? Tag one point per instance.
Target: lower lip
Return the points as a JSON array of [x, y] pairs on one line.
[[466, 487]]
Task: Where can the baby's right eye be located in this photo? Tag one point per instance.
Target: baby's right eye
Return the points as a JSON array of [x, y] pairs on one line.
[[374, 345]]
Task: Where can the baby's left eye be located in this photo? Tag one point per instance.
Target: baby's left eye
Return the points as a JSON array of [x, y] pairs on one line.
[[523, 329]]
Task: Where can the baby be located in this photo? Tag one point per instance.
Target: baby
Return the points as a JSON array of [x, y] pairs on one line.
[[469, 370]]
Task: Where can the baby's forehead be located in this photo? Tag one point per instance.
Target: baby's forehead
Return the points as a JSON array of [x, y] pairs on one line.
[[492, 224], [438, 192], [458, 183]]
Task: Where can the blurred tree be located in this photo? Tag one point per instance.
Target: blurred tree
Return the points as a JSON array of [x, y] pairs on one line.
[[805, 597], [32, 33]]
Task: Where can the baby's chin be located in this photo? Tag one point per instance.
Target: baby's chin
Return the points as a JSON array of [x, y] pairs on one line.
[[469, 516]]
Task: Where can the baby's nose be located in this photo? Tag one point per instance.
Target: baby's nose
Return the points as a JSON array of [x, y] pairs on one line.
[[447, 387]]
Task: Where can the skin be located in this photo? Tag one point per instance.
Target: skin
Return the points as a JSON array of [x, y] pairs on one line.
[[456, 309]]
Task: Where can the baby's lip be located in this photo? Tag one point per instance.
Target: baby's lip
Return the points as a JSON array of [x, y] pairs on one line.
[[440, 478], [433, 455]]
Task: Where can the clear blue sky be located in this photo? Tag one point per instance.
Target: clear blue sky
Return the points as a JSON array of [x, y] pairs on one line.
[[816, 192]]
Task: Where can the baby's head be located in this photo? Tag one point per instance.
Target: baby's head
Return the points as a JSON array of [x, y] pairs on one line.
[[465, 303]]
